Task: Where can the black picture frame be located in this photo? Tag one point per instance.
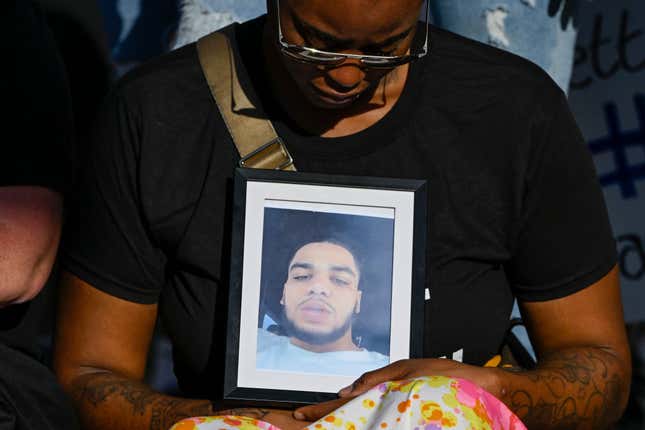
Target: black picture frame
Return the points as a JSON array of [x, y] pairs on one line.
[[236, 394]]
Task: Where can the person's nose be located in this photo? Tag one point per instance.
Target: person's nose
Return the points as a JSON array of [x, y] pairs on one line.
[[345, 77], [319, 286]]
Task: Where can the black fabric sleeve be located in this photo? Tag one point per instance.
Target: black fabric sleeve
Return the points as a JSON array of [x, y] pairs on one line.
[[38, 140], [565, 242], [106, 240]]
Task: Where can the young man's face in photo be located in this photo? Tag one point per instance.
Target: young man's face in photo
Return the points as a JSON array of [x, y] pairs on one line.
[[321, 293]]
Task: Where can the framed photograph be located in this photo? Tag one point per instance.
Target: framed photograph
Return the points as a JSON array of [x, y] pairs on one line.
[[327, 283]]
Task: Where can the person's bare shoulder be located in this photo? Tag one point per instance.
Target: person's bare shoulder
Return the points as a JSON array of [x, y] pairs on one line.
[[30, 225]]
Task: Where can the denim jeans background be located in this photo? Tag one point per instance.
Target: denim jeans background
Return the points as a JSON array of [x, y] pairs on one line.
[[541, 30], [200, 17]]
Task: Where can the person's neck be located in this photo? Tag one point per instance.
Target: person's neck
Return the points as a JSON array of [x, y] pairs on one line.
[[344, 343], [365, 112]]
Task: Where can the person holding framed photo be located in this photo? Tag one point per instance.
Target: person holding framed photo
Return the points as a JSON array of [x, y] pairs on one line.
[[358, 88]]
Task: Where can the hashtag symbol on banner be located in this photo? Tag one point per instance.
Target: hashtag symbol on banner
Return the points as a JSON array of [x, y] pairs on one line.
[[625, 175]]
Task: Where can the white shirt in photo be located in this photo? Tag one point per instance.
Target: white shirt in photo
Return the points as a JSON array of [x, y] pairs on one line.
[[278, 353]]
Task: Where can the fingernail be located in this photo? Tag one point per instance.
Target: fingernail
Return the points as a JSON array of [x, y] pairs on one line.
[[298, 415]]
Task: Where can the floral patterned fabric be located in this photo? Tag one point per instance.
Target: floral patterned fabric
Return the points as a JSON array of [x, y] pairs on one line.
[[428, 403], [225, 422]]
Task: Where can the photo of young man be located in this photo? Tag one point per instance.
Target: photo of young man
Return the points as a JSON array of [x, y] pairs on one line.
[[320, 300]]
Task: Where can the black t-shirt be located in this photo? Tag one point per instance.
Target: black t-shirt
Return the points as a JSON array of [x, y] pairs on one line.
[[515, 208], [36, 146]]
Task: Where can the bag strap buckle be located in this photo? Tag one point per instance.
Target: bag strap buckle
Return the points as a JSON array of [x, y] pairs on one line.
[[272, 155]]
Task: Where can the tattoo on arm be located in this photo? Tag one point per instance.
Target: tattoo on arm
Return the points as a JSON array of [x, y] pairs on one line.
[[575, 389], [99, 395], [169, 411]]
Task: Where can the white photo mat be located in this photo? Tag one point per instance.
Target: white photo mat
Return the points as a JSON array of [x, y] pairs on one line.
[[318, 198]]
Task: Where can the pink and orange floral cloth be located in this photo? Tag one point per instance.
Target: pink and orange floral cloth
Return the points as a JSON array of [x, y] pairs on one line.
[[428, 403]]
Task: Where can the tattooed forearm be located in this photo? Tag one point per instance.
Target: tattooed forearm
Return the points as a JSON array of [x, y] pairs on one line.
[[106, 400], [582, 388]]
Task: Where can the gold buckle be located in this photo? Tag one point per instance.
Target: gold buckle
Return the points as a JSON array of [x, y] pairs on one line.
[[272, 155]]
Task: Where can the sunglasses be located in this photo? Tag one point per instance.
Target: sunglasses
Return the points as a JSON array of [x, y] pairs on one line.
[[319, 57]]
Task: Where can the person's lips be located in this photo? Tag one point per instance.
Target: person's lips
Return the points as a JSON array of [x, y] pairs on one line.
[[316, 305], [315, 311], [336, 98]]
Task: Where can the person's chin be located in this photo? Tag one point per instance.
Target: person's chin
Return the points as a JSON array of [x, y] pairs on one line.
[[314, 330]]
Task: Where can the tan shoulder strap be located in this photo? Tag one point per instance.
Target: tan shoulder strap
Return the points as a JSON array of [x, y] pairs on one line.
[[253, 134]]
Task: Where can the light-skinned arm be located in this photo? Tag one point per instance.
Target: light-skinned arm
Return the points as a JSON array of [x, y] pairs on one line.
[[30, 226]]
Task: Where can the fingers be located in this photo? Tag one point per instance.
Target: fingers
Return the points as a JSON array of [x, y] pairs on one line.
[[285, 422], [316, 412], [255, 413], [396, 370]]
